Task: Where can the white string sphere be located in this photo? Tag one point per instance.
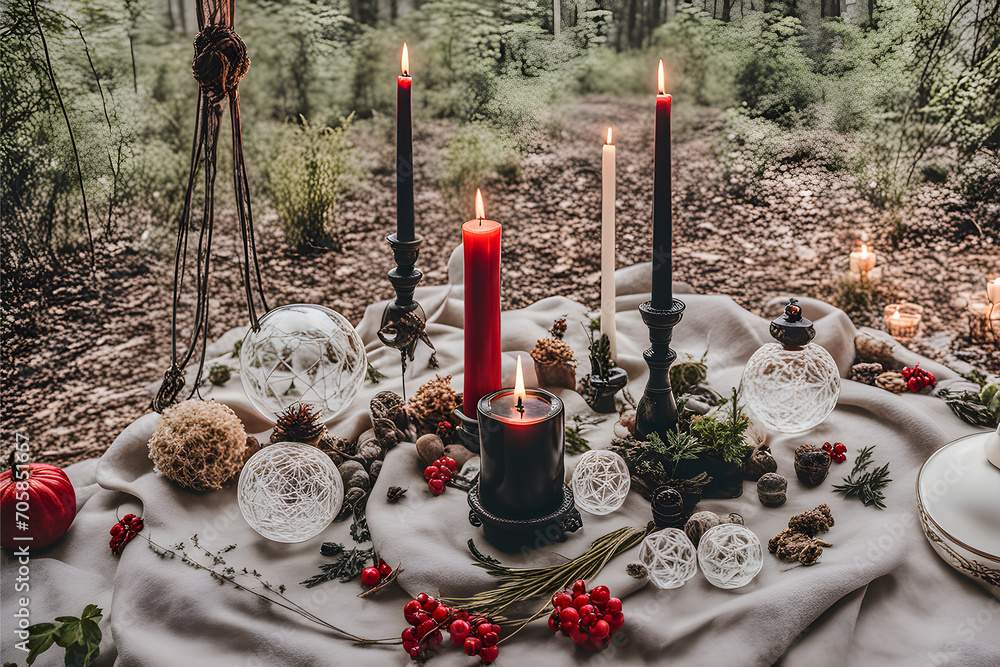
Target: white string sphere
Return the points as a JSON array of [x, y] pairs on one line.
[[670, 557], [600, 482], [290, 492], [730, 555]]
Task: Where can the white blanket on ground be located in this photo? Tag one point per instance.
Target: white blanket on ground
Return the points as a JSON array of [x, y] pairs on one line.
[[879, 595]]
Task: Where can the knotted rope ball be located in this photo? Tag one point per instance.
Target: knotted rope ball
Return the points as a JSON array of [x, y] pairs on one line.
[[730, 555], [220, 61], [199, 444], [670, 558], [290, 492], [600, 482]]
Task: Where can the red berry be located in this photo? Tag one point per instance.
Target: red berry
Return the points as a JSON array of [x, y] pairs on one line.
[[436, 486], [587, 609], [459, 631], [827, 446], [581, 600], [579, 587], [410, 611], [408, 635], [496, 629], [613, 604], [489, 653], [425, 627], [472, 646], [433, 640], [430, 605], [447, 462], [579, 636], [561, 600], [617, 620], [430, 472], [483, 629], [422, 598], [569, 615], [370, 576], [554, 620], [840, 448], [600, 594], [600, 629], [490, 639], [440, 613], [413, 648], [384, 569]]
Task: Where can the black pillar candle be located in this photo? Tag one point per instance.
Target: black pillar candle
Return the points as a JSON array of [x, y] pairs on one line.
[[662, 291], [522, 447]]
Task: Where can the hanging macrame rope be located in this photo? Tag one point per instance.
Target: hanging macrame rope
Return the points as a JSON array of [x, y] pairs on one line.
[[220, 62]]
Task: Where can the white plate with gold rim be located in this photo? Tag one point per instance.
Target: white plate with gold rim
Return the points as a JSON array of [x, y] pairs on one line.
[[958, 500]]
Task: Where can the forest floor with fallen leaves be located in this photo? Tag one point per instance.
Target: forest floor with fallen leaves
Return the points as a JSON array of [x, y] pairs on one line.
[[80, 349]]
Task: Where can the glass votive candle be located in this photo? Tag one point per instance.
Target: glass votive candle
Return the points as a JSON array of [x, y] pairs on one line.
[[984, 319], [862, 260], [902, 320], [993, 291]]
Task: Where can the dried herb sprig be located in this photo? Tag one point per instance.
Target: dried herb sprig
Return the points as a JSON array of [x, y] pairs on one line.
[[575, 442], [863, 484], [346, 567], [226, 574], [517, 585]]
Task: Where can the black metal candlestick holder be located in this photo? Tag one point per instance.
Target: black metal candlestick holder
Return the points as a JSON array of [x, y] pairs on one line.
[[467, 430], [403, 321], [657, 409]]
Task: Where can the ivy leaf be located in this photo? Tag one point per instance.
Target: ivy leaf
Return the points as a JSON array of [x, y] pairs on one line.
[[40, 637], [81, 637]]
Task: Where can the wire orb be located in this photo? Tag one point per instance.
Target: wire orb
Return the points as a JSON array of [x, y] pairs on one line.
[[730, 555], [669, 557], [290, 492], [600, 482]]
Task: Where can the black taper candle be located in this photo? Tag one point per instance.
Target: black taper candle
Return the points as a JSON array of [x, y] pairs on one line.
[[662, 215], [405, 228]]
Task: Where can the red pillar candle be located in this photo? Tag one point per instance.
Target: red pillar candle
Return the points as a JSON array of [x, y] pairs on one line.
[[522, 446], [663, 297], [405, 227], [481, 242]]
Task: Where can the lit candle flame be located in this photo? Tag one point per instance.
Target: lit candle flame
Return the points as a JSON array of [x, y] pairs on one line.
[[661, 88], [609, 143], [997, 281], [480, 210], [864, 250], [895, 316], [519, 392], [405, 61]]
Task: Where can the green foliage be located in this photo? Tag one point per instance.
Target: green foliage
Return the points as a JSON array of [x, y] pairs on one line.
[[723, 434], [476, 154], [81, 637], [312, 166], [864, 484], [698, 62], [773, 75], [860, 299], [980, 186]]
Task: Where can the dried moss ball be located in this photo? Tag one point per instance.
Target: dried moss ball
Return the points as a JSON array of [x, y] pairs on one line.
[[699, 524], [199, 444]]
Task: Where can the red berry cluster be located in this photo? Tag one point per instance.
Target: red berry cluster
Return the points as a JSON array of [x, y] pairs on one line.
[[917, 378], [445, 431], [589, 619], [428, 617], [440, 473], [558, 329], [837, 451], [373, 576], [123, 532]]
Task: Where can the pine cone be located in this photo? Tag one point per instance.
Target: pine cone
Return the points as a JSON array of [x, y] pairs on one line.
[[548, 351], [389, 405], [394, 494], [298, 424], [891, 381], [866, 373]]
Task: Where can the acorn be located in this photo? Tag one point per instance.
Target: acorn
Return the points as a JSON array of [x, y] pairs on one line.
[[759, 462], [771, 489], [811, 465]]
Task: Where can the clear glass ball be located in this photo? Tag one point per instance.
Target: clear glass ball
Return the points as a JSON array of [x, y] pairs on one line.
[[791, 391], [600, 482], [302, 354], [290, 492]]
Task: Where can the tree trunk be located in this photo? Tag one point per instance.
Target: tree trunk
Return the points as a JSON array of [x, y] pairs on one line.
[[727, 9], [556, 18]]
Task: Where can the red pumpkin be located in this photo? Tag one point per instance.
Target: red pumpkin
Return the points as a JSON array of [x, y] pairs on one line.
[[44, 499]]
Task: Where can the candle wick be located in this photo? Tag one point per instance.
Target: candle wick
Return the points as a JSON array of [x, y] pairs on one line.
[[520, 406]]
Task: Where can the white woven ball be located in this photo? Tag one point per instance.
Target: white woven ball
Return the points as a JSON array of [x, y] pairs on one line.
[[600, 482], [290, 492], [669, 557], [730, 555]]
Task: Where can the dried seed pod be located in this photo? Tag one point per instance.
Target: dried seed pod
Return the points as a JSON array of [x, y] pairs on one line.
[[375, 469], [390, 405], [354, 475], [810, 522], [733, 517], [759, 462], [771, 489], [386, 433], [253, 446], [699, 523], [811, 465], [429, 448], [891, 381], [866, 373], [394, 494]]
